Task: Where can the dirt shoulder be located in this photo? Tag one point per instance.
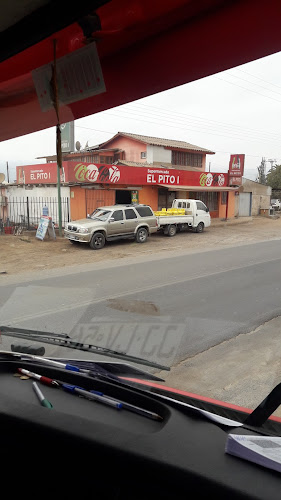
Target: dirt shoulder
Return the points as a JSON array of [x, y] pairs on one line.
[[25, 253], [240, 371]]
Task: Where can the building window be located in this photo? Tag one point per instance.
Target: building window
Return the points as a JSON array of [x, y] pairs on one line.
[[108, 160], [143, 154], [187, 159], [223, 197], [88, 158]]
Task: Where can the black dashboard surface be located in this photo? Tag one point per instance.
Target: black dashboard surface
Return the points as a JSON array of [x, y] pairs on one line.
[[81, 445]]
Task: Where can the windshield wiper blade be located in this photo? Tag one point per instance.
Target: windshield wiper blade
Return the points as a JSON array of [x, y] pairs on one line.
[[64, 340]]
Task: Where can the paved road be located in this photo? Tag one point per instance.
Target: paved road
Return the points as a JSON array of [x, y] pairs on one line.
[[162, 308]]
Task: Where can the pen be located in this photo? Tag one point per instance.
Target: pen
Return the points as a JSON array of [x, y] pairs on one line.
[[133, 408], [43, 401], [41, 378], [140, 411], [74, 389], [66, 366]]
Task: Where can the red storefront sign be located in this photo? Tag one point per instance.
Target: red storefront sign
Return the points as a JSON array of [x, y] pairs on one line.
[[236, 165], [45, 173], [235, 181], [112, 174], [236, 169]]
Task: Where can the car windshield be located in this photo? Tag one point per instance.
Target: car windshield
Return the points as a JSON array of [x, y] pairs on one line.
[[183, 278], [100, 214]]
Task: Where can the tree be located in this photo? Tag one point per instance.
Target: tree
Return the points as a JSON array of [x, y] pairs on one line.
[[261, 172], [273, 177]]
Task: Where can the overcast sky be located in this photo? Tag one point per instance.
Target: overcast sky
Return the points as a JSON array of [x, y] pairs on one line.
[[236, 111]]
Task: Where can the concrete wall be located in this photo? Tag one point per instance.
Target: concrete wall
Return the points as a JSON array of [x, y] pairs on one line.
[[38, 197], [3, 206], [249, 186], [158, 154], [261, 195], [36, 191], [132, 148], [154, 154]]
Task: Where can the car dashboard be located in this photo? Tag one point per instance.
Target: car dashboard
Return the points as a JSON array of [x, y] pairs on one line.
[[82, 446]]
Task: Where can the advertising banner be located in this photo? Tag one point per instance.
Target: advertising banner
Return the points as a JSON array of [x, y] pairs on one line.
[[45, 225], [121, 174], [67, 137], [45, 173], [89, 173], [236, 165]]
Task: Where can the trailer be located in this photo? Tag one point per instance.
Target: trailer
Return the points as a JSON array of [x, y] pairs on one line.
[[185, 214]]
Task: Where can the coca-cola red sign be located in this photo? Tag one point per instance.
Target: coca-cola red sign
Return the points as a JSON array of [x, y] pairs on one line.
[[95, 173], [89, 173]]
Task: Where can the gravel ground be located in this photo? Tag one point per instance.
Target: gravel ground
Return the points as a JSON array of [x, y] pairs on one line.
[[19, 254]]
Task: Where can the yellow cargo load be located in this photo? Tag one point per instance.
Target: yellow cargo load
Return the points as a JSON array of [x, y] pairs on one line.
[[170, 211]]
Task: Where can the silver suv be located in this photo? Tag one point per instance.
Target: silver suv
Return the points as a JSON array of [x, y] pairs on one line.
[[113, 223]]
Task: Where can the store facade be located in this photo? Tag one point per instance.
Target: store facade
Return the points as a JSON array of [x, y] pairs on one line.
[[93, 185]]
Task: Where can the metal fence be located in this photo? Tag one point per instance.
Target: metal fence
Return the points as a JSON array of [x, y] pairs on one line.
[[27, 211]]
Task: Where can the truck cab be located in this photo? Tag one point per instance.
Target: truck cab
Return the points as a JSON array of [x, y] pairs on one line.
[[196, 208]]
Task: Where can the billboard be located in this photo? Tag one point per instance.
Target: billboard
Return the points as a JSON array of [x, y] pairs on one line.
[[121, 174], [235, 181], [236, 165], [45, 173], [67, 137], [89, 173]]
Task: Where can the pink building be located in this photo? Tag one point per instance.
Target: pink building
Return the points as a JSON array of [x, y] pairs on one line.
[[157, 151]]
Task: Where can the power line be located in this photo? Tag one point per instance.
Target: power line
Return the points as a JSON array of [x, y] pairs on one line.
[[193, 122], [249, 90], [186, 128], [196, 121], [199, 119], [114, 133], [258, 78], [217, 151], [252, 83], [95, 129], [203, 119]]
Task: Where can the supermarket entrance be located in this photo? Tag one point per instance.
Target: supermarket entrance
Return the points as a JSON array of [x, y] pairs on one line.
[[123, 197]]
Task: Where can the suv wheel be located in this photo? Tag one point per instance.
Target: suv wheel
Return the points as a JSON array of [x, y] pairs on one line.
[[98, 241], [141, 235]]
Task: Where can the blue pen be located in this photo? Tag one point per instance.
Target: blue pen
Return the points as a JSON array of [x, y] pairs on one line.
[[66, 366], [74, 389], [97, 392]]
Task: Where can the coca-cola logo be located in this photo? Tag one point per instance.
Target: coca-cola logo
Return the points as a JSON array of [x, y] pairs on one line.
[[103, 173], [92, 173], [211, 180]]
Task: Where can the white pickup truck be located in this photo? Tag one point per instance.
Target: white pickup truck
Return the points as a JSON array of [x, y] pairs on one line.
[[195, 216]]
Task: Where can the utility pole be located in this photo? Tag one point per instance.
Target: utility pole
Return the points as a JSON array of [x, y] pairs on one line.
[[209, 166], [271, 161], [54, 87], [8, 175]]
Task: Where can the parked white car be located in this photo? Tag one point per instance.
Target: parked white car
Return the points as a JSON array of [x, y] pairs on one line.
[[276, 204]]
